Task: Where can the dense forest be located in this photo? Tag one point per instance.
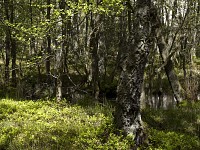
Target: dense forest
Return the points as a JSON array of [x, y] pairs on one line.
[[126, 72]]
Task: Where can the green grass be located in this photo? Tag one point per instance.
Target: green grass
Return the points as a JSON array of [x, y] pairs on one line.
[[175, 128], [47, 125]]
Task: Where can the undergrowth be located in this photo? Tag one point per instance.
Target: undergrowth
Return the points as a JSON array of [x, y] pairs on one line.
[[47, 125], [174, 128]]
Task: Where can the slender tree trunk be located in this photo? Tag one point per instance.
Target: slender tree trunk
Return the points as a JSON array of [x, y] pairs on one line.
[[32, 44], [60, 55], [86, 68], [13, 49], [68, 42], [48, 64], [128, 116], [94, 39], [164, 50], [7, 47], [122, 46], [13, 54], [183, 44], [34, 48], [169, 69], [7, 68]]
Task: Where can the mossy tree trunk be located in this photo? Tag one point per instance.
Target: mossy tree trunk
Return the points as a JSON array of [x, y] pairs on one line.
[[128, 117]]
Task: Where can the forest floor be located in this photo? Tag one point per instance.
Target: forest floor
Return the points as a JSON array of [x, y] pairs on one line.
[[47, 125]]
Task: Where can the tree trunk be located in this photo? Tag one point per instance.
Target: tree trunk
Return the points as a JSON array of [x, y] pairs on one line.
[[7, 47], [13, 49], [122, 46], [94, 39], [48, 65], [169, 69], [164, 50], [128, 117], [60, 55]]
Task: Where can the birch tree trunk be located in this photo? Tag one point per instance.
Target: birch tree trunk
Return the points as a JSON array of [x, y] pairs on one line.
[[60, 55], [128, 117]]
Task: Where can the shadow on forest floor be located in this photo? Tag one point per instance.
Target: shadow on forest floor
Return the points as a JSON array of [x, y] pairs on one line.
[[175, 128]]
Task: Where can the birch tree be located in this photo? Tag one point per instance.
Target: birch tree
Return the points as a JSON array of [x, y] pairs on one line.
[[128, 117]]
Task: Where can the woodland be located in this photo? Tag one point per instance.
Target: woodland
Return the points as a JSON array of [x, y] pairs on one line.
[[100, 74]]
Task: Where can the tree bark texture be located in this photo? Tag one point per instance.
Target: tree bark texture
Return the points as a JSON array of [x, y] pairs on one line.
[[128, 117]]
